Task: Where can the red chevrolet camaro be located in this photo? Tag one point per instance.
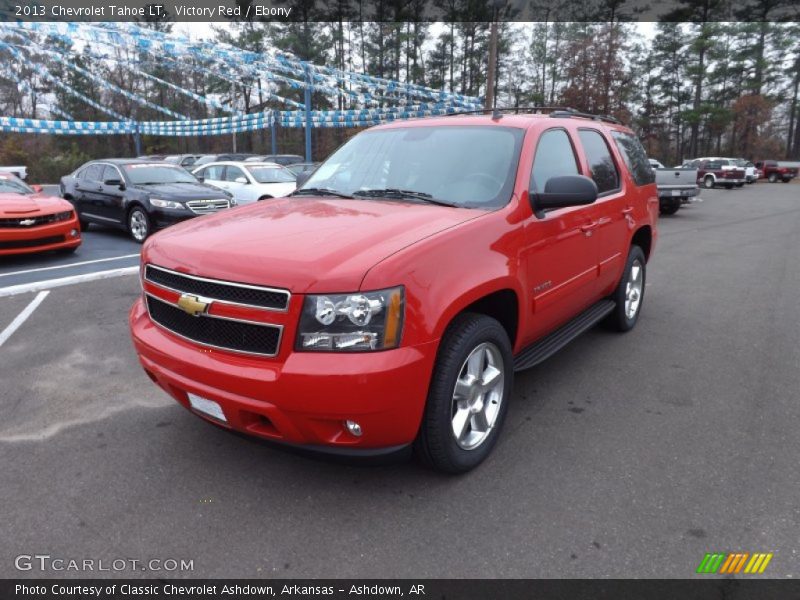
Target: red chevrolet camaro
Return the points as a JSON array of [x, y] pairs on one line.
[[33, 222]]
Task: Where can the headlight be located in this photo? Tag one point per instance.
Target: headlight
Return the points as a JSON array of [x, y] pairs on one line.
[[159, 203], [357, 322]]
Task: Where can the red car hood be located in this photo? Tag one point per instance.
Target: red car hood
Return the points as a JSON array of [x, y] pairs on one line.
[[19, 205], [301, 244]]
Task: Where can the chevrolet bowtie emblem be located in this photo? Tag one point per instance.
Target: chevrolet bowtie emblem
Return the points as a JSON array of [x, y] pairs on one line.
[[193, 305], [27, 222]]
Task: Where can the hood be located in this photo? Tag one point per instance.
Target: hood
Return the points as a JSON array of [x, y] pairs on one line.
[[182, 192], [18, 205], [302, 244]]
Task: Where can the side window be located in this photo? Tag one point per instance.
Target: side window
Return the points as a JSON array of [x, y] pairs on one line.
[[601, 164], [110, 172], [713, 165], [233, 173], [93, 173], [554, 157], [213, 173], [635, 157]]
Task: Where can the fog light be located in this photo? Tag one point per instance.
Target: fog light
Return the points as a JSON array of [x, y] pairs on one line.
[[74, 233], [353, 428]]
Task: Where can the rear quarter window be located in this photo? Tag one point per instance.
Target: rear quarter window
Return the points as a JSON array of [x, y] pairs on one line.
[[635, 157], [601, 163]]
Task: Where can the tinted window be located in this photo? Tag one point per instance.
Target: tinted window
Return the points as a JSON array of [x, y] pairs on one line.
[[635, 157], [93, 173], [144, 174], [110, 172], [713, 164], [213, 173], [554, 157], [602, 167], [9, 185], [233, 173], [271, 174]]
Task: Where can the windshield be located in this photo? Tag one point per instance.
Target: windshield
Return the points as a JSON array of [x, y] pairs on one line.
[[14, 186], [461, 165], [146, 174], [271, 175]]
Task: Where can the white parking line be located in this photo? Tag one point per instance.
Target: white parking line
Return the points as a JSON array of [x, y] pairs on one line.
[[75, 264], [36, 286], [22, 317]]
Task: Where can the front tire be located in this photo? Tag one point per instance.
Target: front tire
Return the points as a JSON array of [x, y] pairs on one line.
[[708, 182], [469, 395], [138, 224], [629, 295], [773, 178]]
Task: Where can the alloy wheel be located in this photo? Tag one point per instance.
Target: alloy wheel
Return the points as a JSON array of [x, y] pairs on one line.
[[477, 396]]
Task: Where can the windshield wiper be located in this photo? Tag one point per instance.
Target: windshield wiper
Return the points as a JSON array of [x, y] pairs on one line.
[[321, 192], [390, 193]]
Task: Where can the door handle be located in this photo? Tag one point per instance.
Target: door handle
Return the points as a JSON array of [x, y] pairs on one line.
[[589, 227], [627, 210]]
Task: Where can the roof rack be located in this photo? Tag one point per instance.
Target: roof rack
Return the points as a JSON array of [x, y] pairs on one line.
[[554, 111]]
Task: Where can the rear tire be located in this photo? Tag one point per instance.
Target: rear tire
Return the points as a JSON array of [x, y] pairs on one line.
[[629, 295], [772, 178], [468, 396], [669, 207]]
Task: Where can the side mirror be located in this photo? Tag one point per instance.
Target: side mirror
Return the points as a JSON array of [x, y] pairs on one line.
[[37, 188], [114, 182], [241, 180], [560, 192], [199, 176], [302, 178]]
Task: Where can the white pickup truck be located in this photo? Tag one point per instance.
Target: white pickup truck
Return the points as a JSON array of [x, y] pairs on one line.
[[675, 186], [20, 171]]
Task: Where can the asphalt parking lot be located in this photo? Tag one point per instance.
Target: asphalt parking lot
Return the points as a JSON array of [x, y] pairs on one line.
[[623, 455]]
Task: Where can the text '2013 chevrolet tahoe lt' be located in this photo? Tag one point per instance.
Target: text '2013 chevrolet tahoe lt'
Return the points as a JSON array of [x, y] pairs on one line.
[[389, 301]]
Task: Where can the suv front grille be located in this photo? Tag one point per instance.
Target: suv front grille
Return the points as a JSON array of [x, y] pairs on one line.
[[226, 334], [28, 222], [235, 293], [206, 207]]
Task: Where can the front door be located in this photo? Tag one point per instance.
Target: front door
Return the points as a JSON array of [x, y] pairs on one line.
[[560, 256]]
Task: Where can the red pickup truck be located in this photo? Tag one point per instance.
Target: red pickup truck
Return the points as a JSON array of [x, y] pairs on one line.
[[387, 303], [772, 171]]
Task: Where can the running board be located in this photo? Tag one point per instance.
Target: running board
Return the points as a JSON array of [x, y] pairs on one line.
[[553, 342]]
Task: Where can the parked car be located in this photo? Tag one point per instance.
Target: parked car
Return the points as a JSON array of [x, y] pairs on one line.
[[152, 157], [249, 182], [750, 171], [139, 196], [205, 159], [184, 160], [675, 186], [31, 221], [717, 171], [281, 159], [773, 171], [304, 168], [19, 171], [380, 308]]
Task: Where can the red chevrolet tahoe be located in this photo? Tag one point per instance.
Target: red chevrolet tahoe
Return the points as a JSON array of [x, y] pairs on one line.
[[389, 301]]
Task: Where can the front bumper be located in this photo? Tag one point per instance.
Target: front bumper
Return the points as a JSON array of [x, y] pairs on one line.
[[164, 217], [302, 400], [54, 236]]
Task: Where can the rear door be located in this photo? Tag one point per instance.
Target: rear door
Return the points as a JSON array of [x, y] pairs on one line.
[[560, 254], [87, 192], [613, 204], [111, 196]]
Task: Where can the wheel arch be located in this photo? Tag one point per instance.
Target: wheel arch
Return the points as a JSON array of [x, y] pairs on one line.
[[643, 237], [499, 301]]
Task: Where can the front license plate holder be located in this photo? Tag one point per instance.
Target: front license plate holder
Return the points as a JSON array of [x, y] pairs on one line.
[[207, 407]]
